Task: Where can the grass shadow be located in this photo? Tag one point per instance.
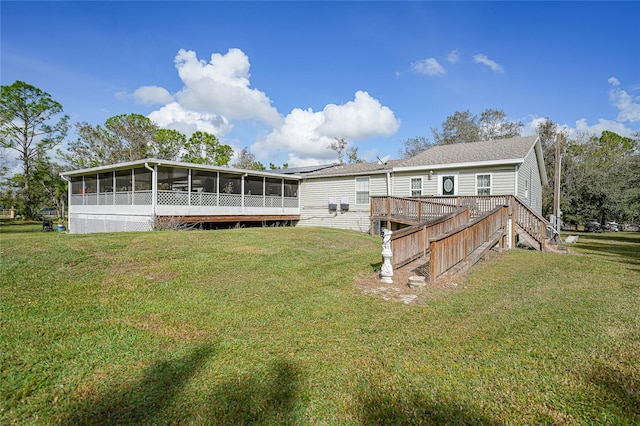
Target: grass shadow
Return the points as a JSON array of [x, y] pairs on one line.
[[624, 249], [620, 388], [141, 401], [377, 408], [263, 398], [19, 227]]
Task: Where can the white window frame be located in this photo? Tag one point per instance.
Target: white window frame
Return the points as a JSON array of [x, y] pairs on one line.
[[490, 187], [368, 191], [455, 182], [411, 189]]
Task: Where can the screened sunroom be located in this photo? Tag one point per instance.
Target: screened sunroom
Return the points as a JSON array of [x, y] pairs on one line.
[[132, 196]]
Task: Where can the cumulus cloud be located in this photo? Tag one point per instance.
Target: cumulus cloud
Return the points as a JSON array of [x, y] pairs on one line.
[[214, 93], [453, 56], [174, 116], [221, 86], [429, 66], [152, 95], [483, 59], [628, 106], [306, 134]]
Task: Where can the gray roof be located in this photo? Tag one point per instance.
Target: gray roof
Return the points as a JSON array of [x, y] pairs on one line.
[[497, 150], [302, 170], [355, 169]]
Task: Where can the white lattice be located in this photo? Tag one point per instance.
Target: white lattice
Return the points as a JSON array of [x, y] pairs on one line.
[[123, 198], [142, 198], [105, 199], [173, 198], [230, 200], [91, 199], [203, 199], [77, 200], [254, 201], [273, 202], [291, 202]]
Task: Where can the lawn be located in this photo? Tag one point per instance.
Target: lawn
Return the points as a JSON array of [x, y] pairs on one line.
[[265, 326]]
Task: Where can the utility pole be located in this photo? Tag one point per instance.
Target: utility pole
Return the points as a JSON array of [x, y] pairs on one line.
[[556, 185]]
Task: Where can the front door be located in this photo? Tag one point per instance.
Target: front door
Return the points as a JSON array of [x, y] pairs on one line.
[[449, 185]]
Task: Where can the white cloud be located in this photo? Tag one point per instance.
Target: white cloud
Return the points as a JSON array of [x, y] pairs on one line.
[[453, 56], [305, 134], [213, 94], [221, 86], [174, 116], [483, 59], [628, 106], [429, 66], [602, 125], [152, 95]]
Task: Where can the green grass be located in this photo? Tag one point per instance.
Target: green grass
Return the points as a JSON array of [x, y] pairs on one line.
[[265, 326]]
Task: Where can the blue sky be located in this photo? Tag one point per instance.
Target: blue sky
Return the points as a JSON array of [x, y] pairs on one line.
[[285, 78]]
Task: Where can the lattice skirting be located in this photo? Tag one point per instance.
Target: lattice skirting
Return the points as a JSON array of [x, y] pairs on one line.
[[86, 224]]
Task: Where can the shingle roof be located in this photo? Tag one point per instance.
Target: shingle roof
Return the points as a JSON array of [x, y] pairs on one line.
[[355, 169], [501, 149]]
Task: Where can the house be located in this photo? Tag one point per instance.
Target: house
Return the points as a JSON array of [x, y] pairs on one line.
[[131, 196], [339, 196]]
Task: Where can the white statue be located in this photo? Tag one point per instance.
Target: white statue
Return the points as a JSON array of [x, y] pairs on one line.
[[386, 272]]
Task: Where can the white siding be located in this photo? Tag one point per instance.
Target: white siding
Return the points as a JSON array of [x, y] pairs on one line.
[[315, 195], [502, 181]]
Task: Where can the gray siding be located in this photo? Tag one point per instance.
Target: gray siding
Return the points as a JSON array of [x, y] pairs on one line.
[[529, 183]]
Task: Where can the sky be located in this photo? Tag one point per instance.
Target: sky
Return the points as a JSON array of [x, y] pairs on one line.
[[285, 79]]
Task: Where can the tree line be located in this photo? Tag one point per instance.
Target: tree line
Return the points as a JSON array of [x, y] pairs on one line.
[[32, 126], [600, 174]]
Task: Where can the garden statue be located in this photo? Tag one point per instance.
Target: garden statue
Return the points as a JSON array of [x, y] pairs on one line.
[[386, 271]]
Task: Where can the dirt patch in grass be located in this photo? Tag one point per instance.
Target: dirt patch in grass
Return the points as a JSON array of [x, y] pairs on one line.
[[399, 290]]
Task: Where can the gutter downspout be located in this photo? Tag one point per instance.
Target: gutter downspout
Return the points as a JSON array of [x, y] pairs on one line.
[[154, 190], [68, 179], [389, 194]]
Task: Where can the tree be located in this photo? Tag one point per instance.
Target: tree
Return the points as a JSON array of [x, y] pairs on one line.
[[167, 144], [601, 178], [461, 127], [274, 167], [125, 137], [414, 146], [464, 127], [494, 125], [25, 115], [547, 131], [350, 154], [247, 160], [204, 148]]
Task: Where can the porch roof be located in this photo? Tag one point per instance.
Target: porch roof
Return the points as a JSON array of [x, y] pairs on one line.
[[155, 162]]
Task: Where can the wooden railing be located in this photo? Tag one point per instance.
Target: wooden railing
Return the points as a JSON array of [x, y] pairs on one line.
[[529, 221], [412, 243], [412, 209], [448, 250], [409, 209]]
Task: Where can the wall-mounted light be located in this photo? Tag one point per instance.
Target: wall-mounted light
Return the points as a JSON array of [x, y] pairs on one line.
[[430, 174]]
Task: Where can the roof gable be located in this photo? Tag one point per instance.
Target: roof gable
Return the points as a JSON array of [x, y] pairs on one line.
[[498, 151]]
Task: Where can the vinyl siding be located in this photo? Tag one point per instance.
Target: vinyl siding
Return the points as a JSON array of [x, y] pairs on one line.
[[529, 178], [315, 195], [502, 181]]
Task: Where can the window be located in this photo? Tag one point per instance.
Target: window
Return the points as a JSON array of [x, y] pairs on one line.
[[483, 184], [416, 187], [362, 190], [105, 182]]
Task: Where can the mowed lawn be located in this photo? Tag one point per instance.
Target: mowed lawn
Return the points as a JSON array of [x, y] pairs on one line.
[[265, 326]]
